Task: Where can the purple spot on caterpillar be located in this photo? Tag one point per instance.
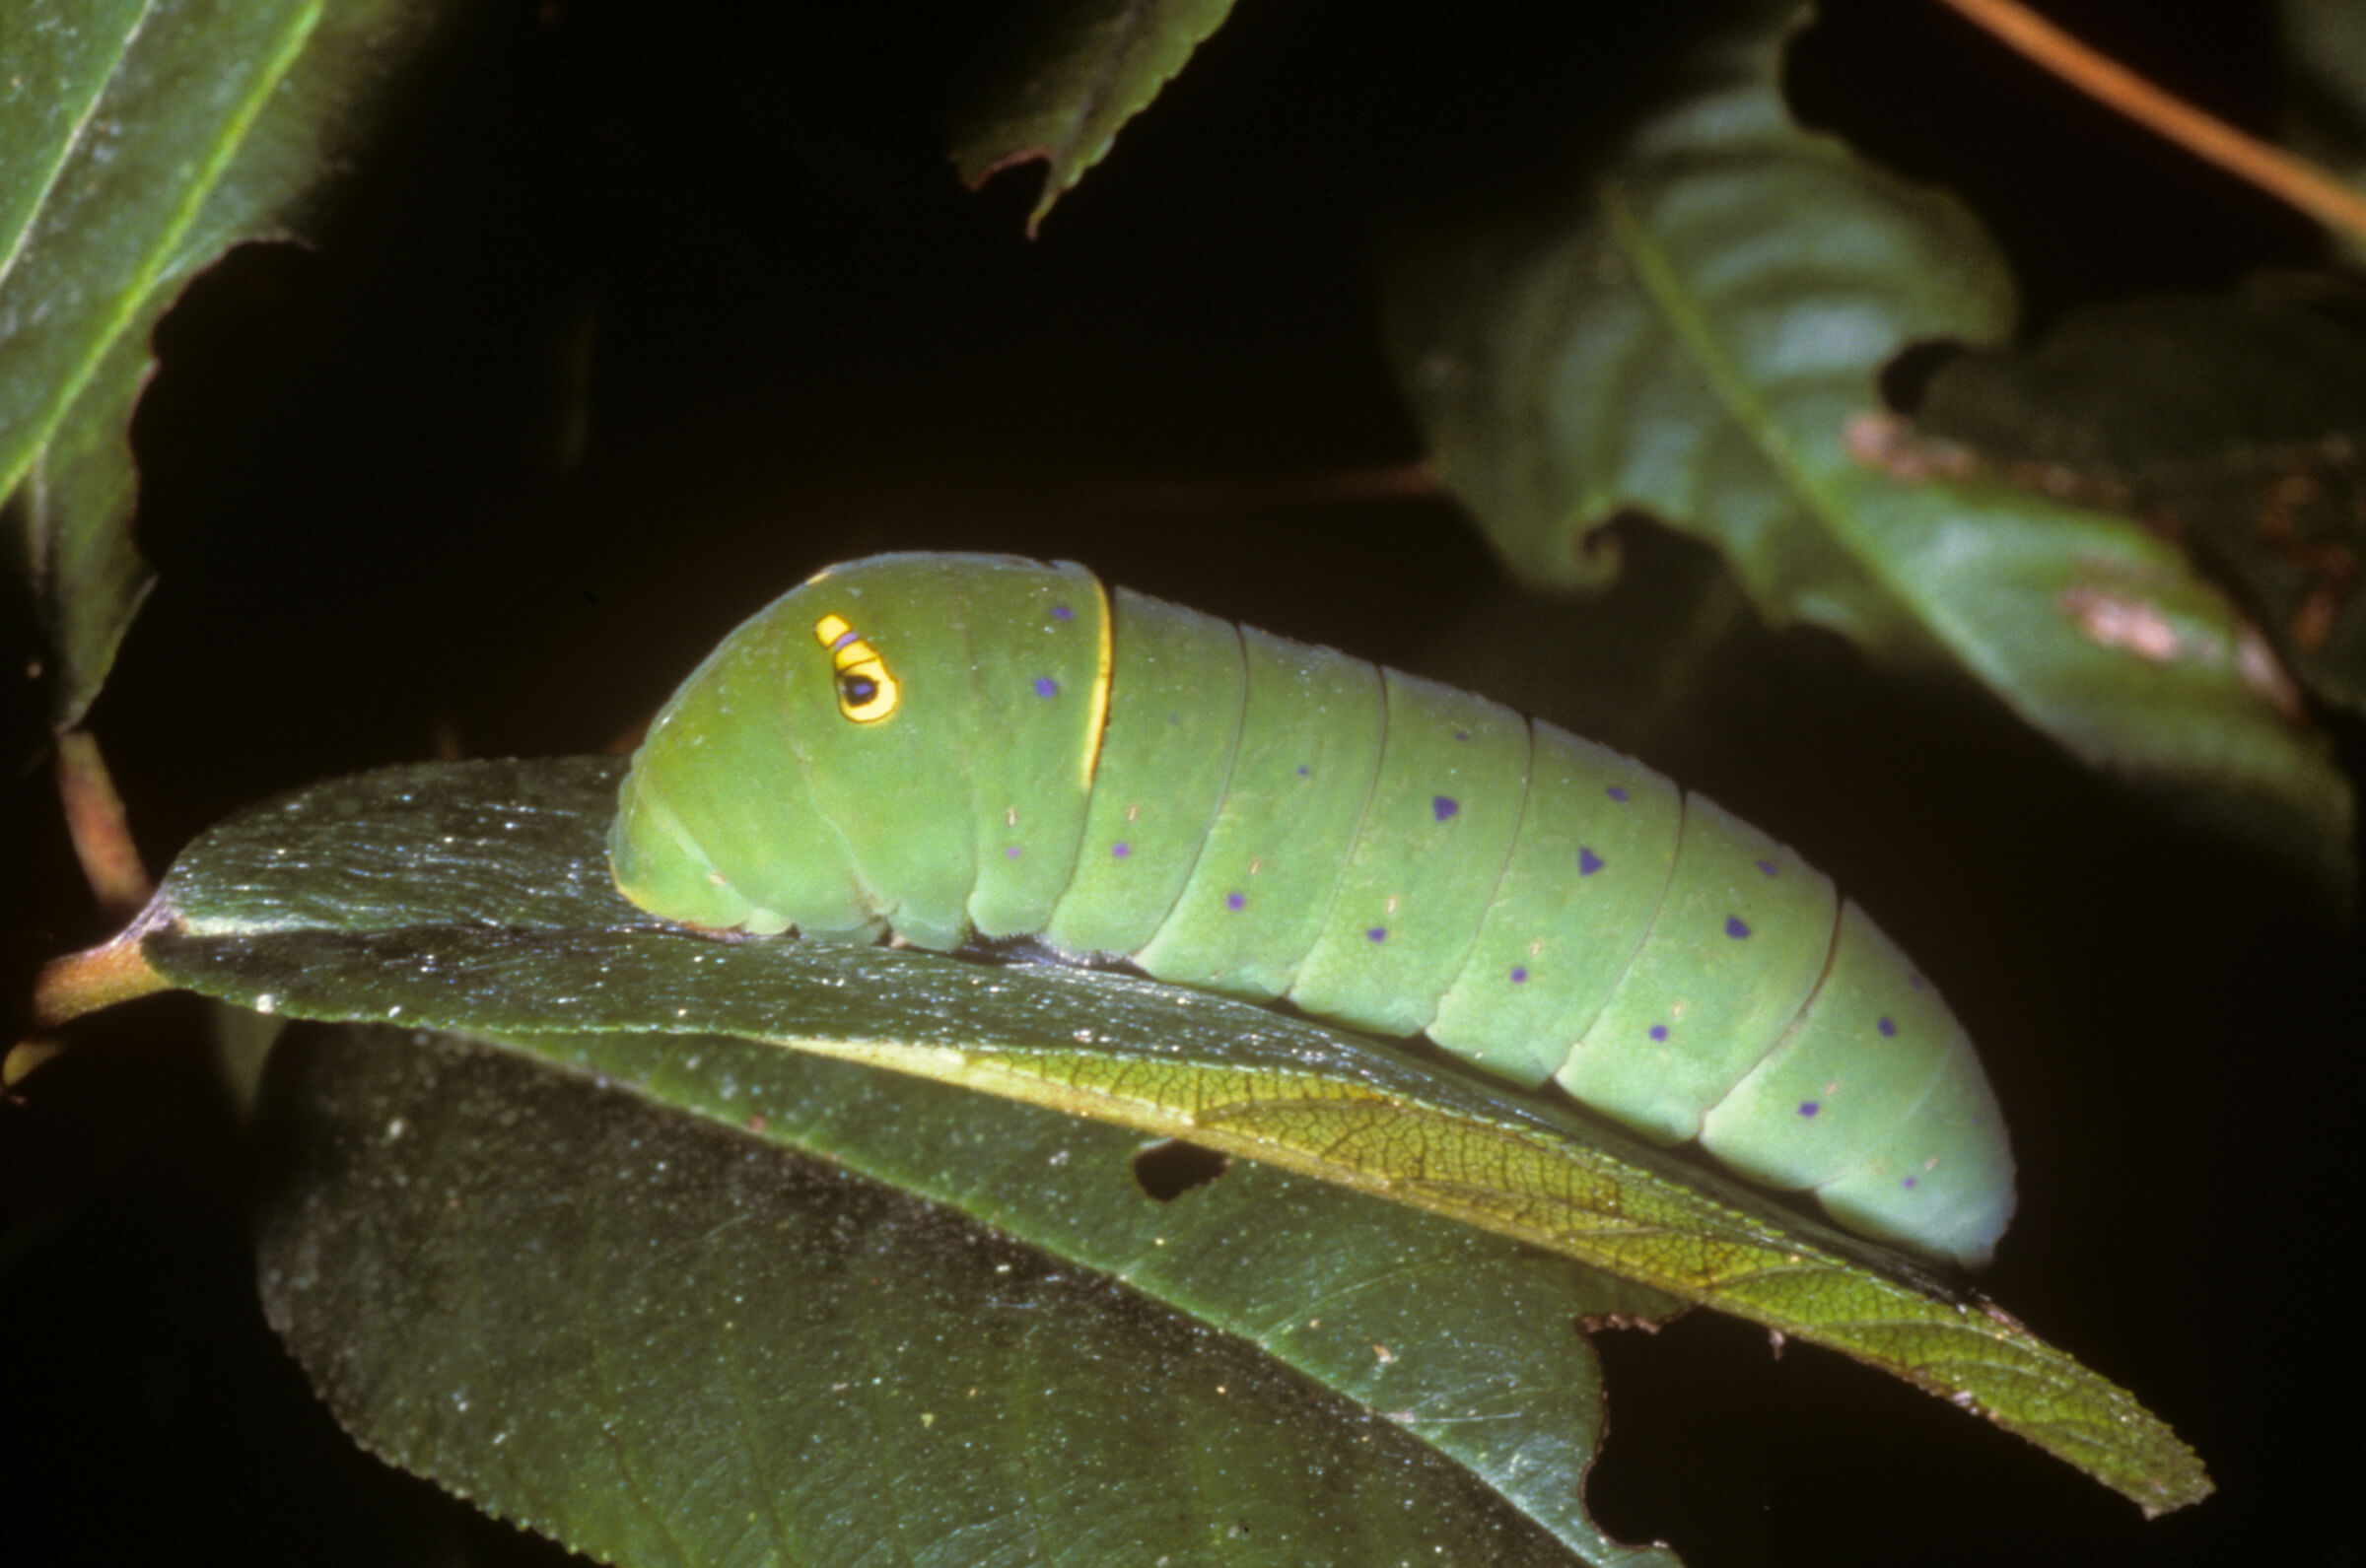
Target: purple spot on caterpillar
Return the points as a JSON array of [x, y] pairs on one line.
[[1809, 1108], [1916, 982], [1617, 792], [1444, 805], [1120, 849], [1378, 934], [1520, 976], [1885, 1027], [843, 639], [1061, 612], [1588, 863], [1462, 734], [1659, 1031], [1301, 770], [1735, 929], [1012, 853], [1908, 1184], [1045, 686], [1236, 901], [1766, 867]]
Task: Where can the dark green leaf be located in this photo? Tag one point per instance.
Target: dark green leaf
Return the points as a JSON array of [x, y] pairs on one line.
[[142, 141], [474, 897], [2236, 424], [1697, 328], [665, 1340], [1063, 80], [1463, 1339]]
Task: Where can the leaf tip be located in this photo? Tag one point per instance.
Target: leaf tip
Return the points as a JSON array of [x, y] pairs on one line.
[[976, 175]]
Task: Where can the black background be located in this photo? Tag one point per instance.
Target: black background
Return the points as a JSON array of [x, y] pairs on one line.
[[638, 314]]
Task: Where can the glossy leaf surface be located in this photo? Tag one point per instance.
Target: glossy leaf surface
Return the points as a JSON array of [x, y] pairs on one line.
[[473, 897]]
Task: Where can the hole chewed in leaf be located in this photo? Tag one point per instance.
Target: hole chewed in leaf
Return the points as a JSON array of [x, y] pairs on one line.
[[1169, 1167]]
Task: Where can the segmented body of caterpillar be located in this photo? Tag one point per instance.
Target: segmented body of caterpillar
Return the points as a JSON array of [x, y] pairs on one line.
[[957, 746]]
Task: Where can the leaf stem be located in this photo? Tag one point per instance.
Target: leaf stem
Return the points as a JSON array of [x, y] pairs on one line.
[[100, 828], [2285, 175], [98, 976]]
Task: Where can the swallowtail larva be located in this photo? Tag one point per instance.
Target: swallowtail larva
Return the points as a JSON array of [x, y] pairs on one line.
[[953, 747]]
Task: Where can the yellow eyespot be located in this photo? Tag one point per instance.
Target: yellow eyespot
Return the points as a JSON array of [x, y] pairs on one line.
[[867, 693]]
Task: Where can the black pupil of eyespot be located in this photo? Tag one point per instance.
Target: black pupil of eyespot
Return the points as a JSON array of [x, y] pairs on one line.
[[858, 688]]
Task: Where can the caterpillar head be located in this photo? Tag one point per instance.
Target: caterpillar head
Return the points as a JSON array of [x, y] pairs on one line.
[[818, 769]]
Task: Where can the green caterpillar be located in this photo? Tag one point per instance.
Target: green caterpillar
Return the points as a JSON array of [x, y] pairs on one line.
[[953, 747]]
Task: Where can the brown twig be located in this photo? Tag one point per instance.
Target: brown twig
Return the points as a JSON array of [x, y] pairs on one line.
[[102, 833], [2286, 176]]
